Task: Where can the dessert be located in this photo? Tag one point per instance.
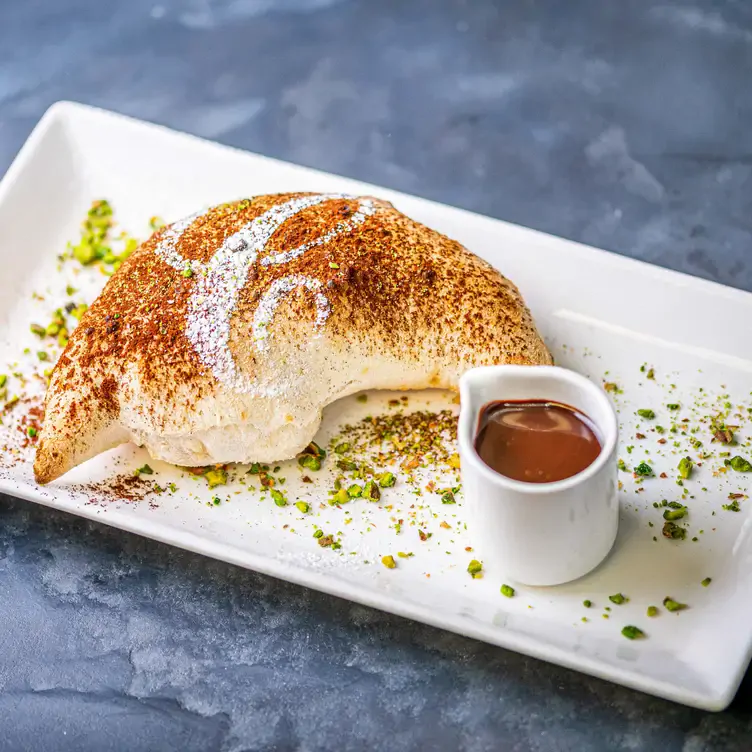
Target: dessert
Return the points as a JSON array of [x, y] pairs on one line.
[[223, 337]]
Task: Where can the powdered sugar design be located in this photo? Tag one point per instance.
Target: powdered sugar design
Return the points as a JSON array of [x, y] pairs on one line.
[[366, 209], [219, 282], [268, 304], [167, 247]]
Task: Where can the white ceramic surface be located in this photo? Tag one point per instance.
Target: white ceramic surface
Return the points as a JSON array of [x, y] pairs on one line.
[[602, 315], [539, 533]]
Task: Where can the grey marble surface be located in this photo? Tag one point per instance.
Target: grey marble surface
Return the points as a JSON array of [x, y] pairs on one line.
[[624, 125]]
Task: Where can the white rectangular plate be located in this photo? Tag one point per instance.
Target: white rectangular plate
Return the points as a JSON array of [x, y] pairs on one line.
[[601, 314]]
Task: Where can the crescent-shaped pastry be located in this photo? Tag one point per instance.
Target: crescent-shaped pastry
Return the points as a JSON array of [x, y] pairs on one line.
[[223, 337]]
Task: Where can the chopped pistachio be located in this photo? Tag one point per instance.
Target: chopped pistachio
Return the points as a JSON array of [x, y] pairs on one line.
[[217, 501], [362, 398], [632, 633], [310, 462], [31, 432], [454, 461], [739, 464], [303, 506], [79, 311], [587, 603], [732, 507], [685, 467], [216, 477], [675, 514], [404, 555], [622, 466], [3, 379], [643, 470], [706, 582], [652, 611], [448, 498], [85, 253], [42, 355], [648, 414], [618, 599], [387, 480], [474, 567], [40, 331], [371, 491], [507, 590], [318, 534], [672, 605], [315, 450], [355, 491], [279, 498], [145, 470], [347, 465], [156, 223], [389, 562], [342, 448], [673, 406], [70, 290], [255, 469], [187, 272], [674, 531], [341, 497]]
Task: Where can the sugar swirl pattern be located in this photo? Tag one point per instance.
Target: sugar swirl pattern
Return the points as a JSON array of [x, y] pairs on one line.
[[221, 279]]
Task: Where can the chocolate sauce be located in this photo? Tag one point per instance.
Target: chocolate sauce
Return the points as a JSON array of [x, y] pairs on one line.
[[536, 441]]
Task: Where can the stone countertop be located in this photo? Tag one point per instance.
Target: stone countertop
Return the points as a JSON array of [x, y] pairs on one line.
[[625, 126]]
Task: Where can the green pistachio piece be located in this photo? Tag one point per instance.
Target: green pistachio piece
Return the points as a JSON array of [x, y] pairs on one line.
[[739, 464], [387, 480], [632, 633], [672, 605], [675, 514], [685, 467], [216, 477], [674, 531], [310, 462], [341, 497], [371, 491], [448, 498]]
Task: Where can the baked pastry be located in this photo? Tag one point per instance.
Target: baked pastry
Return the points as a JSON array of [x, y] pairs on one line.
[[223, 337]]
